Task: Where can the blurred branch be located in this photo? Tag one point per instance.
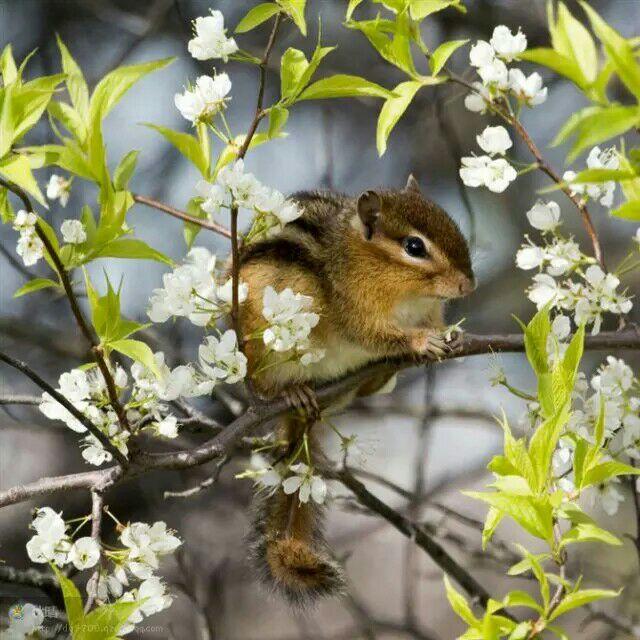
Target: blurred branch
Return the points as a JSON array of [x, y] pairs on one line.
[[97, 504], [18, 399]]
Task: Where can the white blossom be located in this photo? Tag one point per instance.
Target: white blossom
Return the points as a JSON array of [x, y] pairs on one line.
[[289, 318], [24, 620], [306, 484], [24, 221], [167, 427], [478, 100], [481, 54], [527, 89], [30, 248], [495, 75], [495, 174], [213, 196], [507, 45], [607, 497], [561, 327], [544, 290], [244, 187], [603, 192], [210, 40], [73, 232], [495, 140], [529, 257], [220, 359], [50, 543], [544, 216], [59, 188], [204, 100], [84, 553]]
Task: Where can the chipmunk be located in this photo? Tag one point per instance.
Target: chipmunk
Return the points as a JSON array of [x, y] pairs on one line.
[[378, 269]]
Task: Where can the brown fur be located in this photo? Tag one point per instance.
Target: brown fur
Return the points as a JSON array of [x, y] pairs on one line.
[[374, 300]]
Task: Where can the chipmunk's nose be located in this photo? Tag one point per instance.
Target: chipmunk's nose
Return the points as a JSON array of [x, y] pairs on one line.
[[467, 286]]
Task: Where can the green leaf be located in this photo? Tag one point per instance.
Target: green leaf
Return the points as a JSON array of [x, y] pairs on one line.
[[628, 211], [532, 562], [76, 84], [492, 520], [16, 168], [191, 230], [116, 83], [604, 471], [295, 9], [35, 285], [459, 604], [580, 598], [72, 602], [138, 351], [6, 210], [589, 533], [580, 44], [344, 86], [442, 54], [543, 443], [618, 50], [607, 123], [230, 152], [124, 171], [278, 117], [521, 599], [189, 146], [256, 16], [521, 631], [603, 175], [536, 335], [533, 514], [392, 111], [573, 123], [8, 67], [293, 64], [69, 118], [133, 249], [105, 622], [556, 62], [353, 4], [420, 9]]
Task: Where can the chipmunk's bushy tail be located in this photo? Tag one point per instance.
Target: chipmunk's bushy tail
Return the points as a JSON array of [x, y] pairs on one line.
[[287, 545]]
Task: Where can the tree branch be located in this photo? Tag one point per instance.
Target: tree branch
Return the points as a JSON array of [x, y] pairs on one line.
[[181, 215]]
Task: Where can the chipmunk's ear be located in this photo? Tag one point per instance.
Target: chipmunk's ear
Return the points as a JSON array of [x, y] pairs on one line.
[[412, 185], [369, 205]]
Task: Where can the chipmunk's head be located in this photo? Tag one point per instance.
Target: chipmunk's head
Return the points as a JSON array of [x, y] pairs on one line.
[[420, 245]]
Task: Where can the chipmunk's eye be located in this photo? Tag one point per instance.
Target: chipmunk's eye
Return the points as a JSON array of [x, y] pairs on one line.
[[414, 246]]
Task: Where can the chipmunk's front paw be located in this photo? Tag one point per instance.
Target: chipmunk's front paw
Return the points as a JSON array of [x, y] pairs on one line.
[[303, 399], [430, 344]]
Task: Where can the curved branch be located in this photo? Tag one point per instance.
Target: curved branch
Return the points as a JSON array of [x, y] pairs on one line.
[[262, 412]]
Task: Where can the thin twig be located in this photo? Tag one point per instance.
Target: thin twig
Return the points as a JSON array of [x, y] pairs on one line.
[[97, 504], [181, 215]]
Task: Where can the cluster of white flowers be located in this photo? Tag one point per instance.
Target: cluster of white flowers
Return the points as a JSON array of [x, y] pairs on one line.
[[24, 620], [194, 290], [486, 171], [290, 323], [220, 358], [59, 188], [87, 391], [236, 187], [587, 290], [602, 192], [615, 385], [292, 478], [51, 543], [203, 101], [30, 248], [498, 81], [210, 38]]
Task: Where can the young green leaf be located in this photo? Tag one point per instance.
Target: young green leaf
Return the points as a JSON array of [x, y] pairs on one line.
[[579, 599], [133, 249], [35, 285], [105, 622], [8, 68], [72, 602], [116, 83], [619, 50], [442, 54], [580, 45], [492, 520], [628, 211], [278, 117], [589, 533], [420, 9], [555, 61], [256, 16], [76, 84], [344, 86], [188, 145], [295, 9], [352, 6], [571, 126], [124, 171], [16, 168], [604, 471], [138, 351], [536, 335], [459, 604], [392, 111], [521, 599]]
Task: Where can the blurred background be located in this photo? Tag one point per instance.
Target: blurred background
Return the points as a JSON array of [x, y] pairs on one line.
[[432, 437]]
